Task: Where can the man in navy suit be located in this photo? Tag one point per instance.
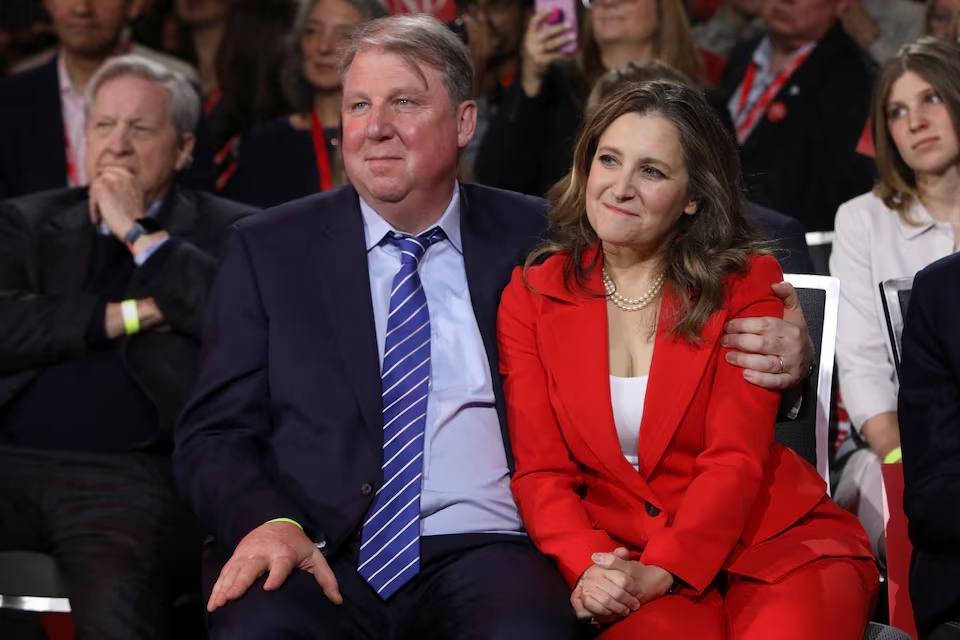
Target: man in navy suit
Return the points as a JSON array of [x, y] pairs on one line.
[[929, 411], [348, 420]]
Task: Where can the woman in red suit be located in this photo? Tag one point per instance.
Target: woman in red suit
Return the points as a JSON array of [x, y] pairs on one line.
[[646, 465]]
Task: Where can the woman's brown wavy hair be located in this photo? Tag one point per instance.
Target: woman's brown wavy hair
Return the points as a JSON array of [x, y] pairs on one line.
[[937, 62], [707, 246]]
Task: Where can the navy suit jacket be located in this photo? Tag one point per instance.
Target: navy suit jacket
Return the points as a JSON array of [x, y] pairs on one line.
[[32, 143], [285, 419], [929, 414]]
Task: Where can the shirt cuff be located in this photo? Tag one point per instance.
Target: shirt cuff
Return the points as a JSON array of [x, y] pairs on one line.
[[144, 255]]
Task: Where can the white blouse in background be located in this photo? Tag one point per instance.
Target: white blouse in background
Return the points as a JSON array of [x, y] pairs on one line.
[[872, 245], [627, 396]]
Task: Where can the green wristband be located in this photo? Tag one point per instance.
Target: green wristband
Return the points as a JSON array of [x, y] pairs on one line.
[[131, 317], [285, 520], [894, 456]]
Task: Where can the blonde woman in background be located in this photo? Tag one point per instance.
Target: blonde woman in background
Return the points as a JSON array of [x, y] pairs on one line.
[[909, 220]]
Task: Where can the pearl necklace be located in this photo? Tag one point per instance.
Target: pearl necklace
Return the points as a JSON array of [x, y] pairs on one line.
[[630, 304]]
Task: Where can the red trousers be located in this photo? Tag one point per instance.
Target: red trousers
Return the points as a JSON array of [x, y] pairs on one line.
[[828, 599]]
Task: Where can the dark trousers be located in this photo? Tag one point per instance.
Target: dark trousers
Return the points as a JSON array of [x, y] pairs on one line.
[[470, 587], [113, 522]]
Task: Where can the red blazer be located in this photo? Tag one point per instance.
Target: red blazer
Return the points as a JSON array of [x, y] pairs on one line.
[[714, 491]]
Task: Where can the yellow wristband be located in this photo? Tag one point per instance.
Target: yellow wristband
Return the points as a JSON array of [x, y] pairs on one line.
[[894, 456], [131, 316], [285, 520]]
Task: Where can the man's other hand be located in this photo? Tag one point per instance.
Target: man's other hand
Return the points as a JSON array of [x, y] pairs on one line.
[[275, 548]]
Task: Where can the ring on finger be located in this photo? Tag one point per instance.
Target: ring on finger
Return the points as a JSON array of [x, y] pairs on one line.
[[781, 365]]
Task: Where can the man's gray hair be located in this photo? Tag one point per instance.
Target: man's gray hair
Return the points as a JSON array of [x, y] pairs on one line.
[[184, 104], [419, 39]]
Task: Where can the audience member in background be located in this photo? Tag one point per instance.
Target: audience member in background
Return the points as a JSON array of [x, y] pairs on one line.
[[734, 21], [284, 446], [204, 22], [102, 297], [529, 145], [798, 98], [42, 128], [929, 409], [495, 30], [883, 26], [646, 465], [24, 32], [790, 243], [941, 17], [910, 219], [294, 156], [249, 69]]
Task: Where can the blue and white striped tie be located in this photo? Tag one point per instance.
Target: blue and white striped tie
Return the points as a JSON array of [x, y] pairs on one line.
[[390, 541]]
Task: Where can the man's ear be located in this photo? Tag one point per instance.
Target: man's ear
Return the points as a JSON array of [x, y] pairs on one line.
[[466, 122]]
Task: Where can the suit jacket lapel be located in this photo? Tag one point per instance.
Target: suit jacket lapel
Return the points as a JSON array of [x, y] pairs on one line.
[[488, 265], [675, 374], [177, 213], [64, 255], [339, 252]]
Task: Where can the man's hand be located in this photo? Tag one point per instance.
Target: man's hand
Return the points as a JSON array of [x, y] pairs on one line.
[[116, 199], [860, 25], [762, 344], [276, 548]]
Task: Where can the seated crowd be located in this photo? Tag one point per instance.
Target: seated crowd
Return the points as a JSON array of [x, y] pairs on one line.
[[357, 326]]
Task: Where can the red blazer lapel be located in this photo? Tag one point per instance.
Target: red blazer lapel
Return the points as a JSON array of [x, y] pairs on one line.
[[676, 373], [580, 369]]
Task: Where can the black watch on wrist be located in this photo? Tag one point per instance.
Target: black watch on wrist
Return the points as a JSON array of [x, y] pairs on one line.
[[142, 226]]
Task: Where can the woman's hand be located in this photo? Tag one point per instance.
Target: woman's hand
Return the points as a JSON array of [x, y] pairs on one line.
[[601, 593], [541, 47]]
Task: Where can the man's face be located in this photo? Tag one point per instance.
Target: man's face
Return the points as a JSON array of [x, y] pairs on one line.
[[89, 28], [130, 127], [401, 136], [801, 20]]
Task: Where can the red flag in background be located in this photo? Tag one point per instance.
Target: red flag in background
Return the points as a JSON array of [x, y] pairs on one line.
[[445, 10]]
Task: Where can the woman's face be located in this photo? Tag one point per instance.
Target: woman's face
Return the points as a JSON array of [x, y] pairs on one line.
[[940, 15], [637, 186], [920, 125], [620, 21], [328, 30]]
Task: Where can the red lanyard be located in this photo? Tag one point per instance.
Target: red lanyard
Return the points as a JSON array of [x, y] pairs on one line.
[[73, 179], [320, 150], [760, 107], [210, 102]]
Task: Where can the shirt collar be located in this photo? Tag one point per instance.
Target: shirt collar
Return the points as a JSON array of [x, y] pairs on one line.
[[66, 88], [150, 213], [375, 227], [764, 52], [920, 216]]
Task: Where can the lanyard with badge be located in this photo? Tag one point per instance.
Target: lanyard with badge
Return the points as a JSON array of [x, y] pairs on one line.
[[747, 118]]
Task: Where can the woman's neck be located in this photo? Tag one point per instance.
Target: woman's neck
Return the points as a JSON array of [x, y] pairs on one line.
[[327, 105], [206, 42], [632, 269], [940, 194], [615, 55]]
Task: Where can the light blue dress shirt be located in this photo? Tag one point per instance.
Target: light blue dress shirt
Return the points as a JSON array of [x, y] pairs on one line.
[[466, 481]]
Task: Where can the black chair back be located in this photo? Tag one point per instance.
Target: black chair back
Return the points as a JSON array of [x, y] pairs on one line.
[[895, 294], [808, 432]]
